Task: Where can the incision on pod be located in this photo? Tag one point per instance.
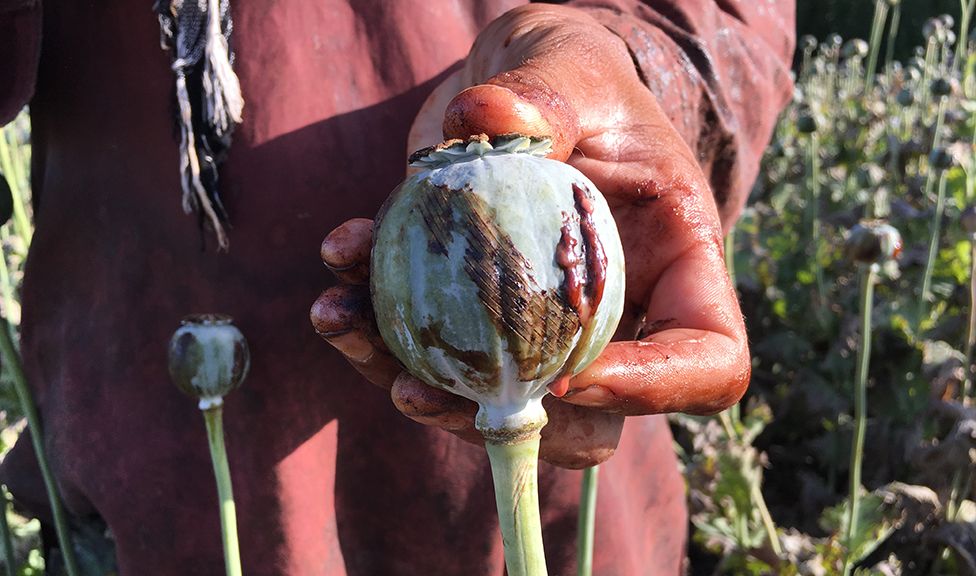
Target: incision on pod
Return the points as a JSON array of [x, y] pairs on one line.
[[497, 273]]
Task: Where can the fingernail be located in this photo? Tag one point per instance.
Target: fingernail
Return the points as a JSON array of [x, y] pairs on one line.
[[559, 387], [592, 396], [353, 345]]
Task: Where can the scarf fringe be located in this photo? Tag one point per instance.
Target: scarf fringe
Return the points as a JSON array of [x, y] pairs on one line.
[[224, 102], [197, 32], [195, 196]]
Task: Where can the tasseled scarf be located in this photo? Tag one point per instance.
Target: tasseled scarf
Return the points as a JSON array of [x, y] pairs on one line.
[[197, 32]]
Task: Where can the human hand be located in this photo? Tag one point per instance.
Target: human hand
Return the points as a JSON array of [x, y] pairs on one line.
[[553, 71]]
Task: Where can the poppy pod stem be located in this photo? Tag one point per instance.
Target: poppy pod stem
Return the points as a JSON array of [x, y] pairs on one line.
[[514, 472], [869, 274], [587, 520], [213, 417], [936, 229], [7, 536], [877, 28]]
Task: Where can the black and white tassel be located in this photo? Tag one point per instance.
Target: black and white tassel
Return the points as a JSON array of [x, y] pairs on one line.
[[208, 93]]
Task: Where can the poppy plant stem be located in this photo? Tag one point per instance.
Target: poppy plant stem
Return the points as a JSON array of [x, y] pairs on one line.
[[514, 472], [12, 361], [936, 228], [877, 28], [587, 521], [868, 277], [225, 493], [6, 535]]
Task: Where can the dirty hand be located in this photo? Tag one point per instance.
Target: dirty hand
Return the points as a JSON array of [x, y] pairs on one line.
[[554, 71]]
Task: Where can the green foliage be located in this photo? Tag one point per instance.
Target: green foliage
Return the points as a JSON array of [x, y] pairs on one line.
[[868, 156]]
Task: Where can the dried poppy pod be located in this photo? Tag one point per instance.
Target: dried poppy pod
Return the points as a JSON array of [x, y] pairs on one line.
[[208, 358], [872, 242]]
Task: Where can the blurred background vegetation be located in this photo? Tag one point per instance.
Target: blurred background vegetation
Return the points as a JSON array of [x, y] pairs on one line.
[[852, 19]]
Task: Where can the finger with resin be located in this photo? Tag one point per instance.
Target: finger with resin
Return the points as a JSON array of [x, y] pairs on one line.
[[434, 407], [690, 352], [345, 251], [343, 317]]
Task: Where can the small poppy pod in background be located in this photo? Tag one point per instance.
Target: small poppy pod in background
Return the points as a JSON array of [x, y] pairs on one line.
[[941, 87], [208, 357], [806, 122], [941, 158], [905, 97], [934, 27], [948, 22], [855, 48], [872, 242]]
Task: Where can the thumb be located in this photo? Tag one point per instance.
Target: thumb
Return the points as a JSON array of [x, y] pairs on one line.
[[497, 109], [542, 70]]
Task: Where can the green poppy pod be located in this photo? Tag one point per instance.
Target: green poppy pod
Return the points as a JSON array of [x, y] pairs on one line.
[[494, 272], [941, 87], [872, 242], [208, 358], [806, 122], [941, 158], [905, 97]]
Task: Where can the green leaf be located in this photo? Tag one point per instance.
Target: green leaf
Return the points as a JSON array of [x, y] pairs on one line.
[[875, 522]]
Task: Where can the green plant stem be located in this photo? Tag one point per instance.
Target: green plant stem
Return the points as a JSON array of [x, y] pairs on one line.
[[6, 535], [813, 213], [971, 170], [587, 521], [933, 249], [6, 284], [12, 360], [893, 23], [726, 418], [225, 492], [962, 39], [8, 166], [967, 386], [923, 86], [880, 15], [729, 247], [514, 471], [939, 121], [767, 519], [868, 277]]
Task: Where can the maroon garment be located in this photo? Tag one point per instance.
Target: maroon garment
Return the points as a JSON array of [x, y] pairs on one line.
[[329, 478]]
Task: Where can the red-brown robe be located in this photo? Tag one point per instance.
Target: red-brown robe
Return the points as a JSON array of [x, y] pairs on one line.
[[329, 478]]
